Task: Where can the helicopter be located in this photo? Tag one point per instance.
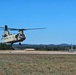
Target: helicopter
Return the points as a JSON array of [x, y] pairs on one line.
[[8, 38]]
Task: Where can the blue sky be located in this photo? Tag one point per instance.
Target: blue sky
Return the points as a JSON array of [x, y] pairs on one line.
[[57, 16]]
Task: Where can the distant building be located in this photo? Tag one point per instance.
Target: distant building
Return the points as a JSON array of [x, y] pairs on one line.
[[29, 49]]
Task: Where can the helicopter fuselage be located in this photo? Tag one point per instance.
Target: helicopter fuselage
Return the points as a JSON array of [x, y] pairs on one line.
[[13, 38]]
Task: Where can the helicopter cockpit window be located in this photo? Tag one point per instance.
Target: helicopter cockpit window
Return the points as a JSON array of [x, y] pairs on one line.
[[21, 35]]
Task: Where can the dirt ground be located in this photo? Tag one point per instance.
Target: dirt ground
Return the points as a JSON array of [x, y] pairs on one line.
[[34, 52]]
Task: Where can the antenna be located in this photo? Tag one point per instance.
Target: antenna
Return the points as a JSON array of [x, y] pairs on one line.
[[71, 48]]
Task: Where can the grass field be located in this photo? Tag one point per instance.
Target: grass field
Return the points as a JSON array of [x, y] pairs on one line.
[[37, 64]]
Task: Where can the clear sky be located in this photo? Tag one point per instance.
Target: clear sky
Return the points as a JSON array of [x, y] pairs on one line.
[[57, 16]]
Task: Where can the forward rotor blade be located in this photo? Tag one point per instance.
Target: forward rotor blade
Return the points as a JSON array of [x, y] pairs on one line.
[[1, 27]]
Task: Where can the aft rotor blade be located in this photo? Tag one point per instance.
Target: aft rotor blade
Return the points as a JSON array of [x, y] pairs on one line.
[[13, 29], [34, 28], [16, 29]]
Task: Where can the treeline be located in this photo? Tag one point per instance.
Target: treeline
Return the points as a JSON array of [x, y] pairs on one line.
[[47, 47], [37, 47], [5, 47]]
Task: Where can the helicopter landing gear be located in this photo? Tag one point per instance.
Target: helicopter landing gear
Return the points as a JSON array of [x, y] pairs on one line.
[[19, 43], [11, 44]]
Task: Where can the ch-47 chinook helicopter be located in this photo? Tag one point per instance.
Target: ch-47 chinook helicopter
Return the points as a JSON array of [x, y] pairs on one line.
[[14, 38]]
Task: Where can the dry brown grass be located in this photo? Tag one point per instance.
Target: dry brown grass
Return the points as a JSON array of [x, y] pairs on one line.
[[37, 64]]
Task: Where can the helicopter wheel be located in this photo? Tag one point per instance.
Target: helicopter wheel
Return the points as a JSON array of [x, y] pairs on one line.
[[19, 43]]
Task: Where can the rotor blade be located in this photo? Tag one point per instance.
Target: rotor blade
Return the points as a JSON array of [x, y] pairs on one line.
[[13, 29], [34, 28], [9, 28], [4, 27], [1, 27]]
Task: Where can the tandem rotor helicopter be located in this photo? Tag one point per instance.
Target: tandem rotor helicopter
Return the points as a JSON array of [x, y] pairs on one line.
[[14, 38]]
